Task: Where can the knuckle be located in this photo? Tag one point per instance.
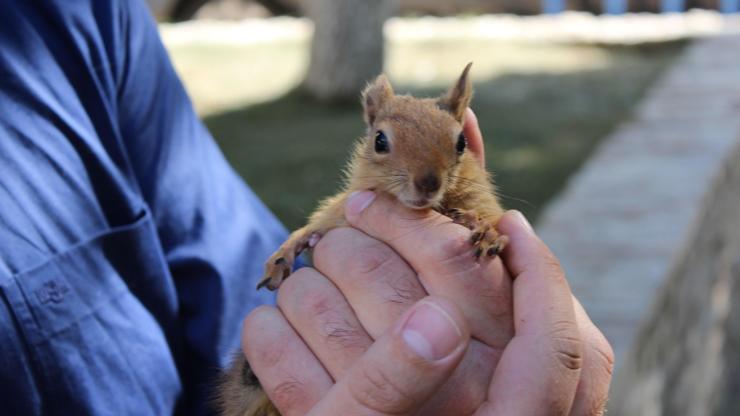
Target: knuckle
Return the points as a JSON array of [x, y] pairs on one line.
[[599, 350], [375, 262], [567, 345], [317, 303], [306, 295], [375, 391], [288, 394], [405, 288], [375, 259], [343, 335], [350, 254], [324, 309], [606, 355]]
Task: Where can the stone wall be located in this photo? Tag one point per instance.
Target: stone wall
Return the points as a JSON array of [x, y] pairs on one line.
[[648, 232], [621, 221], [687, 355]]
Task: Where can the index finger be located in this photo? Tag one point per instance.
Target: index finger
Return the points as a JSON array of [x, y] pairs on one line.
[[543, 360]]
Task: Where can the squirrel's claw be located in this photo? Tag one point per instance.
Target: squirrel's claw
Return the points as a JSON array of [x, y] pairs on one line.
[[484, 237], [468, 219], [491, 244], [487, 240], [277, 269], [280, 264]]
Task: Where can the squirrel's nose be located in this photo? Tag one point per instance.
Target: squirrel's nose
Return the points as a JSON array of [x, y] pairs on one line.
[[427, 184]]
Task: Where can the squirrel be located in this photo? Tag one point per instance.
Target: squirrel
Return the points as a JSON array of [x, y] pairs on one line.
[[415, 150]]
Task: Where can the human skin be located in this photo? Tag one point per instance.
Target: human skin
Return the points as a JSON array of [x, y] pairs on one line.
[[397, 317]]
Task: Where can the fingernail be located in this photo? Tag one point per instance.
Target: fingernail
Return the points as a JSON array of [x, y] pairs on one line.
[[431, 333], [523, 221], [358, 201]]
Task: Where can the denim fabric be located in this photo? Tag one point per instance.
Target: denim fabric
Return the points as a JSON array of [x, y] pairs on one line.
[[129, 249]]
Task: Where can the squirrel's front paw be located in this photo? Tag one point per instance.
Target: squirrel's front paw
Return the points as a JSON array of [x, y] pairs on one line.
[[467, 218], [487, 241], [280, 264], [277, 269]]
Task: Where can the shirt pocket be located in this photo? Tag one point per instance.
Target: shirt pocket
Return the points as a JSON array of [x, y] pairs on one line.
[[95, 346]]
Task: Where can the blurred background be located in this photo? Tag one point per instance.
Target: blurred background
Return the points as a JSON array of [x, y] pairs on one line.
[[613, 125]]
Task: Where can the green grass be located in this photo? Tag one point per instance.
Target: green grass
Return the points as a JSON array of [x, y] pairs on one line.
[[539, 126]]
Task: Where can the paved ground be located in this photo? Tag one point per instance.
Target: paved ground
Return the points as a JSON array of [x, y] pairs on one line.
[[623, 218]]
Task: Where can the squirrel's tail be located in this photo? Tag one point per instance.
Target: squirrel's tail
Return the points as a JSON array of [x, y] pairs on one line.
[[240, 393]]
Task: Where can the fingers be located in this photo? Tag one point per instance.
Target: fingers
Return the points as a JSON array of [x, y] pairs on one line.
[[405, 366], [324, 320], [598, 362], [471, 130], [440, 253], [541, 293], [290, 374], [543, 361], [381, 287], [374, 279]]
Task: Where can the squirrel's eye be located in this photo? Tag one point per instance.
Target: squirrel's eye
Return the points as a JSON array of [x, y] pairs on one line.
[[461, 143], [381, 142]]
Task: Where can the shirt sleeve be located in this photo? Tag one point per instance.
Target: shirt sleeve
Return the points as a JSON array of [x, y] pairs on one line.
[[215, 233]]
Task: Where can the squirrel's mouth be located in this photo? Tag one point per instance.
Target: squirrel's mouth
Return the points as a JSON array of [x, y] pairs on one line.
[[414, 200], [421, 203]]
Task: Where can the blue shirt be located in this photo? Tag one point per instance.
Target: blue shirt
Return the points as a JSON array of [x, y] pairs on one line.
[[129, 249]]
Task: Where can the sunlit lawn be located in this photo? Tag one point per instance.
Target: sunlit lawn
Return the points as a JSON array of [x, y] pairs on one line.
[[542, 107]]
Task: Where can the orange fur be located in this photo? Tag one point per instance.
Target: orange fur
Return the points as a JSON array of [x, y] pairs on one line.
[[422, 134], [422, 169]]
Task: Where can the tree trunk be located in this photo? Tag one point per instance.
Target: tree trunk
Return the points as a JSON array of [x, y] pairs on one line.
[[347, 47], [181, 10], [281, 7], [185, 9]]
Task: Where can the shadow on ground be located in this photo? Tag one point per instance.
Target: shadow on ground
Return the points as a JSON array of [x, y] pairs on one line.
[[538, 129]]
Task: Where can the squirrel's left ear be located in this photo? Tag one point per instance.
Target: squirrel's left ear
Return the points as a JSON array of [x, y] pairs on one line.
[[458, 97], [374, 96]]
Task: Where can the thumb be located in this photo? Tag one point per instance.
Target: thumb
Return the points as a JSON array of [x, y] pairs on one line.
[[405, 366], [471, 129]]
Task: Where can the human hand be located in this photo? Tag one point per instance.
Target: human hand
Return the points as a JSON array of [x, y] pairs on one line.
[[338, 320]]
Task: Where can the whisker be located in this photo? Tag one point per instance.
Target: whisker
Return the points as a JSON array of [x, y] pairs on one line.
[[513, 198], [497, 192], [380, 177]]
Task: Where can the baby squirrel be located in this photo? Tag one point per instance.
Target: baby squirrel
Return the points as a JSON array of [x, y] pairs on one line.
[[415, 150]]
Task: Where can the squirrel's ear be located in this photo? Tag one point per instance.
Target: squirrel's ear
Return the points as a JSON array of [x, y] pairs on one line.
[[458, 97], [375, 95]]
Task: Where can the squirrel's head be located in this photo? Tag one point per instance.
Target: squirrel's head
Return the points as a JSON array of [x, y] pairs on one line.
[[414, 146]]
